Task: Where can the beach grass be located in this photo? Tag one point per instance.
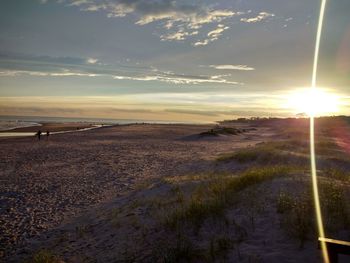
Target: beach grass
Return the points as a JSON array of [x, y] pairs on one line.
[[211, 199], [267, 153], [44, 256]]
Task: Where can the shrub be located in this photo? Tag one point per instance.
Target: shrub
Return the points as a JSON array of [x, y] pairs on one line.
[[219, 194], [334, 205], [284, 203], [44, 256], [297, 215], [181, 250]]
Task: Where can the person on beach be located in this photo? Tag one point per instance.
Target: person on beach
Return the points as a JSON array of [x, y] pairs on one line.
[[47, 135], [38, 134]]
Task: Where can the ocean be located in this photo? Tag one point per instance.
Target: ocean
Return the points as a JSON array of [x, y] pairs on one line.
[[13, 122]]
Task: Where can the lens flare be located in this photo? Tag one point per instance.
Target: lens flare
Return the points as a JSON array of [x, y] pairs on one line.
[[313, 102], [312, 137]]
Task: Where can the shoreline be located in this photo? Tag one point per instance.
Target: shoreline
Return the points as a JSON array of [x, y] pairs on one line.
[[59, 128], [53, 128]]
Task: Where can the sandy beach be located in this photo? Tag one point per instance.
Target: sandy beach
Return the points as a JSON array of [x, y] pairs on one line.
[[44, 183], [63, 193]]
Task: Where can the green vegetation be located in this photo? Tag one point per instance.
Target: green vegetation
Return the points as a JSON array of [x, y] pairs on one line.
[[297, 215], [223, 130], [334, 204], [337, 174], [181, 250], [260, 154], [211, 199], [267, 153], [44, 256], [284, 203], [219, 246], [298, 211], [203, 205]]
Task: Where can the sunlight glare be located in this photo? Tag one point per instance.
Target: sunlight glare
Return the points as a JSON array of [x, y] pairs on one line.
[[313, 102]]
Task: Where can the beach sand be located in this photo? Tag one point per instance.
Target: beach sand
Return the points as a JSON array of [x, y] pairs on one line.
[[62, 194], [45, 183]]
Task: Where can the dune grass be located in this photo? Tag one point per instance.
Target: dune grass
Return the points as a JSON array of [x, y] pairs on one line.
[[43, 256], [337, 174], [182, 251], [223, 131], [219, 246], [267, 153], [251, 154], [297, 211], [297, 215], [335, 205], [211, 199], [291, 151]]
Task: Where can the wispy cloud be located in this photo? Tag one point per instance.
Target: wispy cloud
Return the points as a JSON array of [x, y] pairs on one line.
[[212, 35], [261, 16], [80, 2], [163, 77], [182, 19], [232, 67], [179, 20], [22, 65], [180, 79], [63, 73], [179, 35], [201, 42]]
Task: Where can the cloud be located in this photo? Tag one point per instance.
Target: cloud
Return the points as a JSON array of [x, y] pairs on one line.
[[92, 60], [47, 60], [171, 14], [261, 16], [201, 43], [212, 35], [64, 73], [80, 2], [179, 35], [257, 111], [179, 79], [39, 66], [194, 16], [232, 67], [163, 77], [193, 112]]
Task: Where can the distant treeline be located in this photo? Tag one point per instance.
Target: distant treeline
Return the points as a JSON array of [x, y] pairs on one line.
[[263, 120]]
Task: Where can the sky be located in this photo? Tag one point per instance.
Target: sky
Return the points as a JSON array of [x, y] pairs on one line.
[[169, 60]]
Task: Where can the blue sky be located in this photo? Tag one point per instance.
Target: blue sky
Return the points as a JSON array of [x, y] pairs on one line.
[[167, 60]]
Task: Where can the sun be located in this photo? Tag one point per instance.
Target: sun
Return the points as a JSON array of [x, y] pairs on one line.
[[313, 102]]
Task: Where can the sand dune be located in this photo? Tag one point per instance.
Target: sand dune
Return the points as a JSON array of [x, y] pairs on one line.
[[45, 183], [144, 193]]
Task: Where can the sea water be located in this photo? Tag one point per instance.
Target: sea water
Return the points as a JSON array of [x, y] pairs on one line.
[[13, 124], [8, 123]]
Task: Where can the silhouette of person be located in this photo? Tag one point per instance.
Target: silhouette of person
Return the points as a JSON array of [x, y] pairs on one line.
[[38, 134], [47, 135]]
